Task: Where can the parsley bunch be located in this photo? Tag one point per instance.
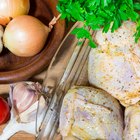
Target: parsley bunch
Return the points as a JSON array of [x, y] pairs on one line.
[[98, 14]]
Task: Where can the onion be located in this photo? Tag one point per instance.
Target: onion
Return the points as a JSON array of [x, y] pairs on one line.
[[25, 35], [12, 8]]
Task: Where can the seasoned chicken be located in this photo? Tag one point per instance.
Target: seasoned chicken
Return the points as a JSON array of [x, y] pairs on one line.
[[88, 113], [132, 123], [114, 65]]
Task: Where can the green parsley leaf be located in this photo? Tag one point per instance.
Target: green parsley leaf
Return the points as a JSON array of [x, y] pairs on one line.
[[137, 6], [97, 14], [92, 44], [81, 33]]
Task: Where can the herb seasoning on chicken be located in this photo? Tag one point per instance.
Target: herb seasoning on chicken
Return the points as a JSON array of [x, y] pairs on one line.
[[132, 122], [88, 113], [114, 65]]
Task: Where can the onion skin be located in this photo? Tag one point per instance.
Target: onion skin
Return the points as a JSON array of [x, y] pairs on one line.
[[11, 8], [25, 36]]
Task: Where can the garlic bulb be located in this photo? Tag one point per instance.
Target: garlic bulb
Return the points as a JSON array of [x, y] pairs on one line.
[[28, 97], [24, 117]]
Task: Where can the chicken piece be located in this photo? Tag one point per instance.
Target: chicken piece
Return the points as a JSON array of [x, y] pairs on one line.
[[132, 123], [88, 113], [114, 65]]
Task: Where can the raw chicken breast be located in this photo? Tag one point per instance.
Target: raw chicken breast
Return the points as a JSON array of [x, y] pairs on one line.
[[114, 65], [88, 113], [132, 123]]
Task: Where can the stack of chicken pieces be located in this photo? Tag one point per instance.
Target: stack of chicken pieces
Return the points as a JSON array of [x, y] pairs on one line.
[[89, 113]]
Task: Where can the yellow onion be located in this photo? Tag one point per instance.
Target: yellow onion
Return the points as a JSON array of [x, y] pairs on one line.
[[25, 35], [12, 8]]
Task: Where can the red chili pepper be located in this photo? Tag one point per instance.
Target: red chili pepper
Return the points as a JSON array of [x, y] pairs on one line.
[[4, 111]]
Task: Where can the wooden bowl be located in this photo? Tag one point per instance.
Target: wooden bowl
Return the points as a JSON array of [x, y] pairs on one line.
[[13, 68]]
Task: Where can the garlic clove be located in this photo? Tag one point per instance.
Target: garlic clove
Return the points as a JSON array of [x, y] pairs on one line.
[[24, 95], [28, 115]]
